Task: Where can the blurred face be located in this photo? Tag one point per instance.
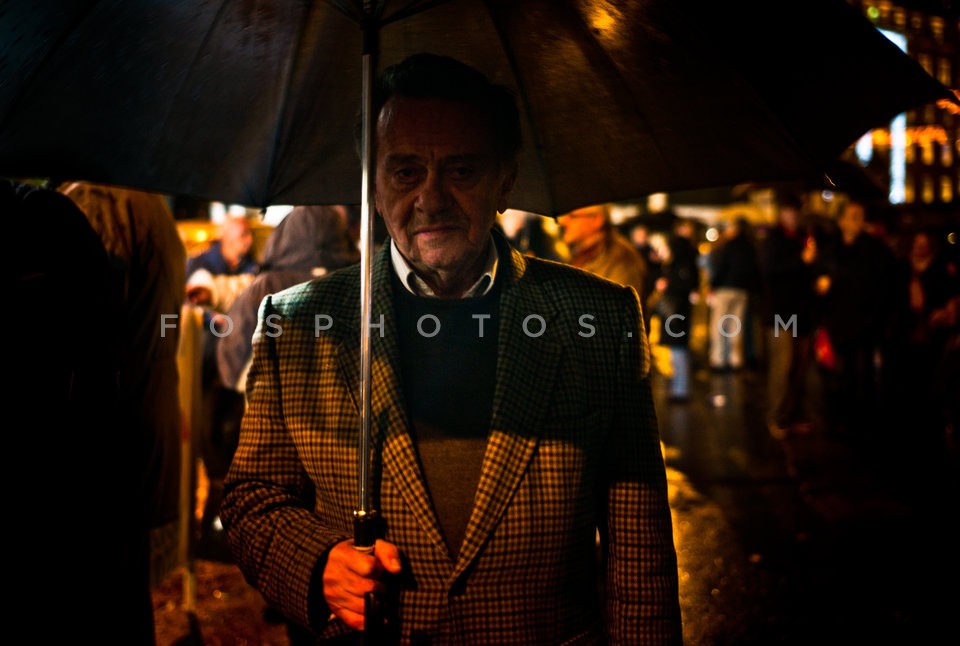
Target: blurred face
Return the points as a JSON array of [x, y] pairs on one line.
[[439, 186], [237, 238], [789, 217], [639, 235], [852, 220], [921, 248], [578, 226]]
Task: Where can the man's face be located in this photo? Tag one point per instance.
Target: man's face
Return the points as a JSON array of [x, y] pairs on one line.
[[578, 226], [439, 184]]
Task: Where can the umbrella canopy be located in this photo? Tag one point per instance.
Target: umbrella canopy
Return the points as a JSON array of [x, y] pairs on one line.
[[255, 102]]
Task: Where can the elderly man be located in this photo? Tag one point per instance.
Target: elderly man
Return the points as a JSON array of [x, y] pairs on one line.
[[511, 412]]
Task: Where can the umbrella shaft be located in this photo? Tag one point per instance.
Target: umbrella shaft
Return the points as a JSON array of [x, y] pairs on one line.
[[366, 280]]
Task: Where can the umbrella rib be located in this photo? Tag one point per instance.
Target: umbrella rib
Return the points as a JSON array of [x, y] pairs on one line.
[[352, 10], [411, 8], [538, 148], [597, 51], [287, 89]]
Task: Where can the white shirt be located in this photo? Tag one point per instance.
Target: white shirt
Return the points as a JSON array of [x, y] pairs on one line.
[[416, 285]]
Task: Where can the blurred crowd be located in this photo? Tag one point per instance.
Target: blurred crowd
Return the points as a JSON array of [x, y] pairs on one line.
[[854, 324], [851, 320]]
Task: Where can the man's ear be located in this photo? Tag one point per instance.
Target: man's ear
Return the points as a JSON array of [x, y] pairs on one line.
[[506, 186]]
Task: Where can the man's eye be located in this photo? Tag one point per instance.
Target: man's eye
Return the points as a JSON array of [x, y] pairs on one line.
[[406, 174], [461, 172]]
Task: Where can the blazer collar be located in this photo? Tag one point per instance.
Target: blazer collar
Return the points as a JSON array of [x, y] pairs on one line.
[[526, 369]]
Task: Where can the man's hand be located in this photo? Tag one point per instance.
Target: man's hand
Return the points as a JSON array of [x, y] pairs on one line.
[[350, 574], [200, 295]]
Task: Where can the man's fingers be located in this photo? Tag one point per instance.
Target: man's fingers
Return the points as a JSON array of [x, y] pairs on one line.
[[353, 619], [388, 556]]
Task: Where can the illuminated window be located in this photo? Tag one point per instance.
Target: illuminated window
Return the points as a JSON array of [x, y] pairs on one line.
[[909, 195], [899, 18], [926, 63], [946, 189], [946, 155], [910, 153], [943, 72], [936, 26], [926, 146], [928, 193], [885, 6], [930, 113], [916, 21]]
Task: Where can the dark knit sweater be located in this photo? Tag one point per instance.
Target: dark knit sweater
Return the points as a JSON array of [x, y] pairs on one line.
[[448, 379]]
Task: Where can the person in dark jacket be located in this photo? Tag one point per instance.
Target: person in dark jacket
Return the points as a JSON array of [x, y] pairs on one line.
[[671, 302], [856, 313], [926, 304], [67, 357], [734, 272], [788, 269], [311, 241]]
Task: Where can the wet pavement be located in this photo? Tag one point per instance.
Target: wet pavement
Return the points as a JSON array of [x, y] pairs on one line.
[[809, 539]]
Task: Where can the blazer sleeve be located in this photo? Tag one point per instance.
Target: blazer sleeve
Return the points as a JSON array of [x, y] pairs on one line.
[[641, 566], [268, 503]]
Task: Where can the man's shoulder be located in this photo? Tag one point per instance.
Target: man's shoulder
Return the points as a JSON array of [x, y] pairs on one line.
[[333, 289], [559, 277]]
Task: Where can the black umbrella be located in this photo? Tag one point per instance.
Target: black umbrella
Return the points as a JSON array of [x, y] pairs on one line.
[[253, 102]]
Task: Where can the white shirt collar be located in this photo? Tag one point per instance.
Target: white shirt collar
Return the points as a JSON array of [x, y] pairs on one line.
[[416, 285]]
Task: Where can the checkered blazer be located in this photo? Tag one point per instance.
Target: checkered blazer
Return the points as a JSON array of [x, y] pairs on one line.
[[573, 447]]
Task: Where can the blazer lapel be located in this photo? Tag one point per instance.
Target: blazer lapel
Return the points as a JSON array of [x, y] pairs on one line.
[[393, 451], [526, 368]]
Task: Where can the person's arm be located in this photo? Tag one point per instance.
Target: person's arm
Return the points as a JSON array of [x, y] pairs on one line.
[[268, 503], [641, 577]]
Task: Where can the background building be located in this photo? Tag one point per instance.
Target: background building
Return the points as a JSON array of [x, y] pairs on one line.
[[916, 157]]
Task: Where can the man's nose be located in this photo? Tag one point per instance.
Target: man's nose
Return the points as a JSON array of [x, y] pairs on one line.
[[434, 194]]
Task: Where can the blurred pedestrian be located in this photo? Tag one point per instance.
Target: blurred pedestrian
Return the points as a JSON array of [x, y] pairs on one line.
[[672, 302], [141, 237], [215, 277], [598, 247], [639, 234], [733, 277], [72, 360], [503, 447], [229, 255], [310, 242], [926, 302], [530, 235], [856, 313], [788, 269]]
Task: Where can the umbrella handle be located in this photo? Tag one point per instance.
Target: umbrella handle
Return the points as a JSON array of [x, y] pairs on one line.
[[367, 527]]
